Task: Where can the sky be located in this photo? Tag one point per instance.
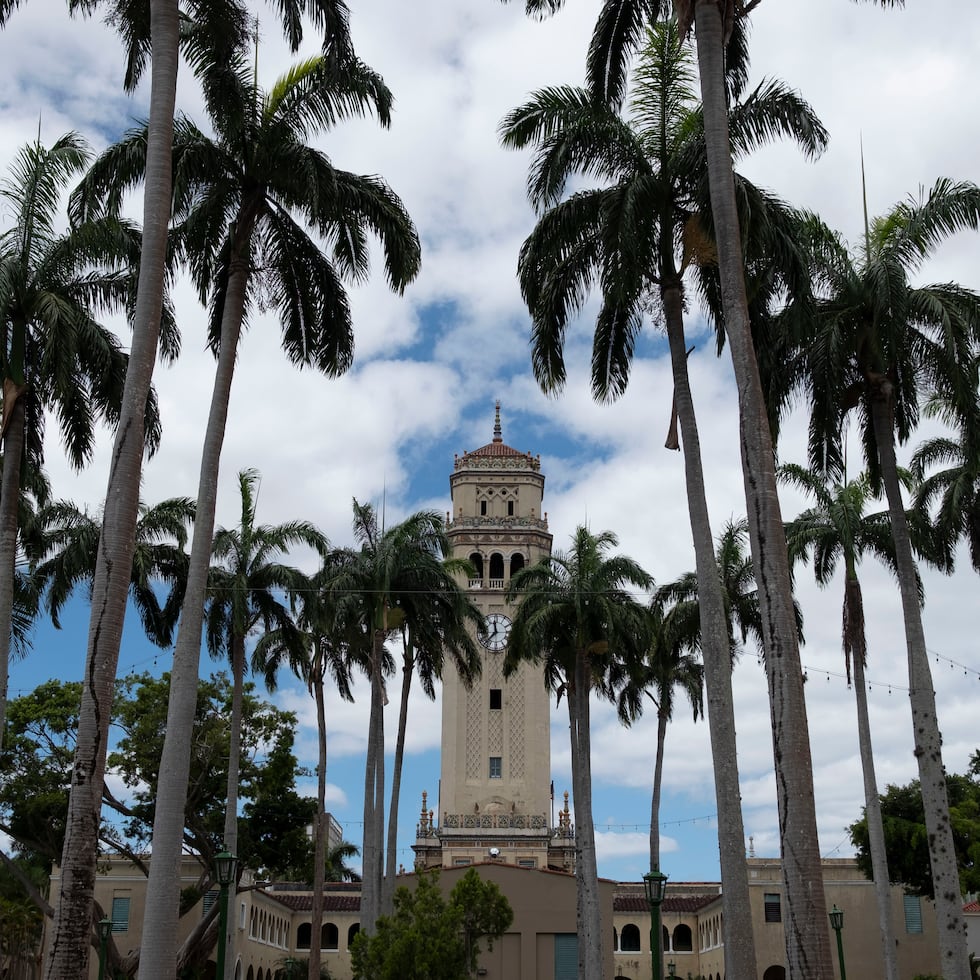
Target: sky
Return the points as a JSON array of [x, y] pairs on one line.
[[429, 366]]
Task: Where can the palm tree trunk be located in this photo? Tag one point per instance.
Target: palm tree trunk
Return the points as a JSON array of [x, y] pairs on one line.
[[737, 918], [319, 826], [922, 698], [855, 640], [806, 924], [388, 890], [658, 772], [13, 454], [160, 918], [71, 929], [588, 911], [234, 767], [373, 858]]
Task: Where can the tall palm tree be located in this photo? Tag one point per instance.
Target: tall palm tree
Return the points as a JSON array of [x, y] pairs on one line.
[[578, 619], [378, 586], [617, 35], [321, 646], [440, 620], [669, 665], [54, 354], [876, 343], [246, 589], [236, 197], [210, 34], [838, 531], [635, 235]]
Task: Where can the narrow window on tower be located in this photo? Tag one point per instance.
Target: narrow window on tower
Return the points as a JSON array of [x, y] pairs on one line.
[[483, 508], [496, 699], [510, 508], [496, 767]]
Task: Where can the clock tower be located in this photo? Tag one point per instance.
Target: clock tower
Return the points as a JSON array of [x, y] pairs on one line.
[[495, 793]]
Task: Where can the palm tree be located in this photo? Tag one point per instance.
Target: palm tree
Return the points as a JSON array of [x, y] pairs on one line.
[[236, 197], [377, 587], [617, 35], [54, 355], [876, 343], [837, 530], [636, 235], [439, 620], [953, 490], [669, 665], [246, 585], [319, 645], [64, 558], [210, 35], [579, 621]]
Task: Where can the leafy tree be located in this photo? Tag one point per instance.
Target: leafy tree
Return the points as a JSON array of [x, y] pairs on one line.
[[906, 836], [429, 937], [36, 771], [578, 620]]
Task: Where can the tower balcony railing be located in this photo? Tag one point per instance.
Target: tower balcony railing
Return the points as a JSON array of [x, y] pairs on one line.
[[477, 521]]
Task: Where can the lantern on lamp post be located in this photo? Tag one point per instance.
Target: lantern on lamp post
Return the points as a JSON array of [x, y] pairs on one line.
[[105, 931], [655, 887], [837, 923], [225, 865]]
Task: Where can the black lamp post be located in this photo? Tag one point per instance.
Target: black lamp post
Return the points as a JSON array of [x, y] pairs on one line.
[[655, 887], [225, 865], [837, 923], [671, 970], [105, 931]]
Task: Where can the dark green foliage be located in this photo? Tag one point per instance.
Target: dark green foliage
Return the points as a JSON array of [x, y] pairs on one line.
[[906, 838], [430, 937], [39, 747]]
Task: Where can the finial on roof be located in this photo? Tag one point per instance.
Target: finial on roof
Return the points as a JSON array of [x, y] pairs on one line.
[[497, 434]]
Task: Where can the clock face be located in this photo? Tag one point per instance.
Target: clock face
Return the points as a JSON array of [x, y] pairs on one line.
[[498, 628]]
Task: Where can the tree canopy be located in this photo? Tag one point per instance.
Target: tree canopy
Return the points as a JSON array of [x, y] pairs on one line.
[[906, 838]]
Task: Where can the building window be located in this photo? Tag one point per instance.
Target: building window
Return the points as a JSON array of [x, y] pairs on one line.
[[462, 862], [773, 913], [209, 899], [329, 936], [566, 956], [120, 913], [496, 699], [352, 932], [913, 913], [683, 941], [527, 862], [241, 916], [483, 508], [510, 508], [496, 767], [303, 934], [629, 939]]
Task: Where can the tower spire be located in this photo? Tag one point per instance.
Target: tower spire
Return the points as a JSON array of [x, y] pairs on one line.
[[497, 434]]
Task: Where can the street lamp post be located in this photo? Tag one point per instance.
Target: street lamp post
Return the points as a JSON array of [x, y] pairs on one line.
[[671, 970], [655, 887], [105, 930], [837, 923], [225, 866]]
